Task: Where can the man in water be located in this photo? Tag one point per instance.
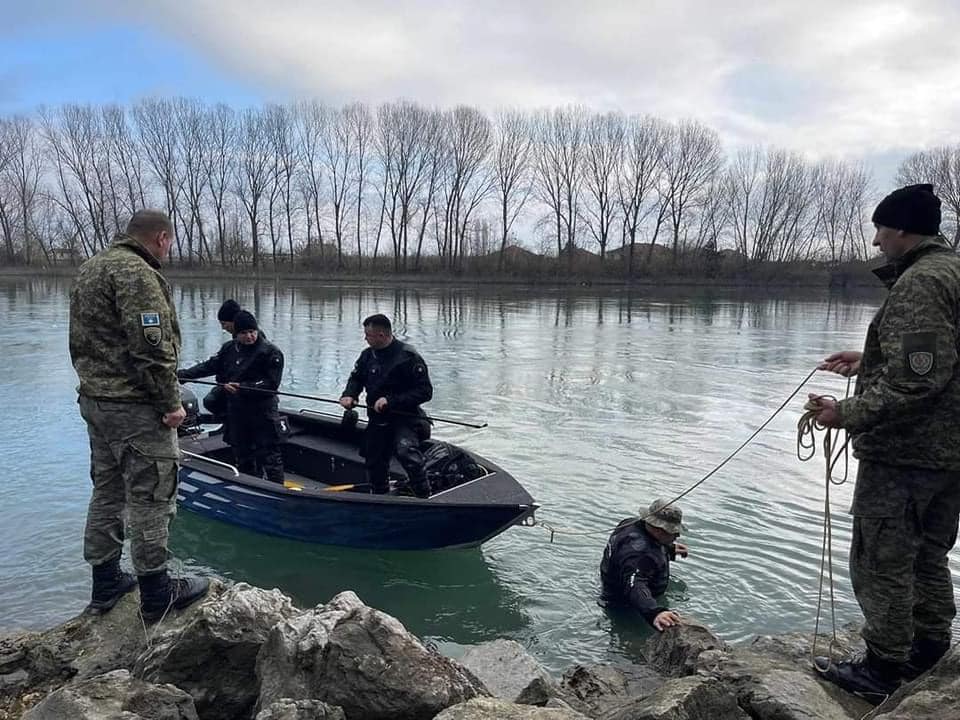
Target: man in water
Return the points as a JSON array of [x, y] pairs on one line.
[[124, 344], [635, 568], [397, 383], [905, 424], [250, 368]]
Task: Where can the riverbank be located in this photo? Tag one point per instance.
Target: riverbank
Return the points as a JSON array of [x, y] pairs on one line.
[[246, 652]]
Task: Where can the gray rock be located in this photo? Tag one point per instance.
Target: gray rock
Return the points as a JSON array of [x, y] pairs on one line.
[[774, 688], [508, 671], [347, 654], [115, 696], [213, 656], [935, 695], [796, 647], [595, 689], [674, 651], [496, 709], [288, 709], [687, 698]]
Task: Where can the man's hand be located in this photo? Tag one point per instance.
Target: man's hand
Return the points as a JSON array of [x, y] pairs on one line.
[[348, 402], [173, 419], [667, 618], [827, 413], [846, 363], [681, 550], [380, 405], [232, 388]]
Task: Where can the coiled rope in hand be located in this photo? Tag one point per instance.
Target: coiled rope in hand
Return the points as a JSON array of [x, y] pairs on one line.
[[807, 428]]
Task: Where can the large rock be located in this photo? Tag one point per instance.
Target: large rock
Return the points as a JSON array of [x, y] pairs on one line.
[[797, 647], [115, 696], [770, 687], [509, 672], [345, 653], [214, 655], [688, 698], [497, 709], [34, 664], [674, 651], [595, 689], [933, 696], [287, 709]]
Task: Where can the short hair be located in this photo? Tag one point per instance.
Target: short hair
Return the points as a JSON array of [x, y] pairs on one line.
[[378, 321], [147, 222]]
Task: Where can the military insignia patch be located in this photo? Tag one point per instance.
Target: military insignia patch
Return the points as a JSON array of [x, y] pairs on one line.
[[920, 362], [153, 335], [150, 319]]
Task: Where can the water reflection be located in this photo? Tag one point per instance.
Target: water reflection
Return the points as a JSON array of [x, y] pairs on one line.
[[450, 595]]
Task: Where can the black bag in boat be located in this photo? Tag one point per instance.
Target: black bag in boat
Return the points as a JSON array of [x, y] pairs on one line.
[[447, 466]]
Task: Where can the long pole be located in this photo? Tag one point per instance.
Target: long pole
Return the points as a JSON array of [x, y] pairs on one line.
[[433, 418]]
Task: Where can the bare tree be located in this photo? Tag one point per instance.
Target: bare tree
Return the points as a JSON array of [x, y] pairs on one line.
[[602, 159], [644, 144], [362, 127], [24, 171], [840, 190], [513, 159], [339, 150], [691, 163], [940, 166], [194, 145], [310, 129], [220, 167], [156, 121], [253, 171], [125, 154], [560, 135]]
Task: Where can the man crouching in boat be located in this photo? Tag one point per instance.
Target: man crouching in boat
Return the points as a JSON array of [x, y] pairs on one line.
[[397, 383], [250, 368], [636, 562]]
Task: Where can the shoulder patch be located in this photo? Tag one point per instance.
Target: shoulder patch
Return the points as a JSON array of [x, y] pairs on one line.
[[920, 351], [150, 319]]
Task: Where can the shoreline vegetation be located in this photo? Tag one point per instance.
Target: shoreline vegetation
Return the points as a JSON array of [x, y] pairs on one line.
[[558, 195]]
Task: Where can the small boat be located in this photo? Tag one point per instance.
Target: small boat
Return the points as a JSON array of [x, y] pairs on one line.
[[325, 499]]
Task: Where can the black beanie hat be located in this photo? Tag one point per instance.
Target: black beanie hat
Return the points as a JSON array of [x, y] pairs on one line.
[[228, 311], [244, 321], [913, 209]]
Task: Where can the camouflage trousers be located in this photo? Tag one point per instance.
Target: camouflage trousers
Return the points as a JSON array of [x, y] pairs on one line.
[[905, 523], [133, 465]]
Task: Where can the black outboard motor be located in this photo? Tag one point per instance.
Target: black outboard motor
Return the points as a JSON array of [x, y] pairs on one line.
[[190, 424]]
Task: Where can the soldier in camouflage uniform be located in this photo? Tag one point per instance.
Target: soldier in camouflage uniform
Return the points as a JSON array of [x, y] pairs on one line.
[[124, 344], [905, 423]]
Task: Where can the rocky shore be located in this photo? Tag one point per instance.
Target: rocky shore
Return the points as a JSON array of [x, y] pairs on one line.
[[249, 653]]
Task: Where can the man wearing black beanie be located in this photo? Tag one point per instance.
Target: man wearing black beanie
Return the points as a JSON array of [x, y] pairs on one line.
[[227, 312], [905, 423], [249, 367]]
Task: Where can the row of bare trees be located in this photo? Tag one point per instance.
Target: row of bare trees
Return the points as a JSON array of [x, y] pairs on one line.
[[344, 186]]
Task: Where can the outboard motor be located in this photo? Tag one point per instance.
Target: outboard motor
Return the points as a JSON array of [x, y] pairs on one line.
[[190, 424]]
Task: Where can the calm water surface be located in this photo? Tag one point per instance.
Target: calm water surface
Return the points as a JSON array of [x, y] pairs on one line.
[[596, 403]]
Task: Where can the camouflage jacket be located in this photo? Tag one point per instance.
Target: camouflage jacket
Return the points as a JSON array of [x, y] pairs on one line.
[[906, 410], [124, 334]]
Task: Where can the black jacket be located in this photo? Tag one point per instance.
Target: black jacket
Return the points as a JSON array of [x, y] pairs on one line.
[[254, 367], [397, 373], [635, 569]]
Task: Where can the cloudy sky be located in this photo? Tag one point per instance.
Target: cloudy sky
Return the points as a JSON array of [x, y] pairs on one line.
[[848, 78]]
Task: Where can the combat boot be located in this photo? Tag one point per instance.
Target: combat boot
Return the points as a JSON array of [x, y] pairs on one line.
[[110, 584], [924, 654], [867, 676], [160, 593]]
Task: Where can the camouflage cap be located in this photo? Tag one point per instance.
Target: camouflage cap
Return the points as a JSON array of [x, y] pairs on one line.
[[664, 516]]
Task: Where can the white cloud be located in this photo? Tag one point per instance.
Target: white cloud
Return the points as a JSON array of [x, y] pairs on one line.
[[850, 77]]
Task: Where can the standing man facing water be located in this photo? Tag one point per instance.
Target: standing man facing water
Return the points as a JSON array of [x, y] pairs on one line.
[[635, 569], [905, 423], [124, 343], [397, 383]]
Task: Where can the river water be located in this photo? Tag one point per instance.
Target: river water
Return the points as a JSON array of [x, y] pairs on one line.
[[598, 402]]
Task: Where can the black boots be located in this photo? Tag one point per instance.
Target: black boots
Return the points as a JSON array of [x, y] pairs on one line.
[[868, 676], [160, 593], [109, 585], [924, 654]]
